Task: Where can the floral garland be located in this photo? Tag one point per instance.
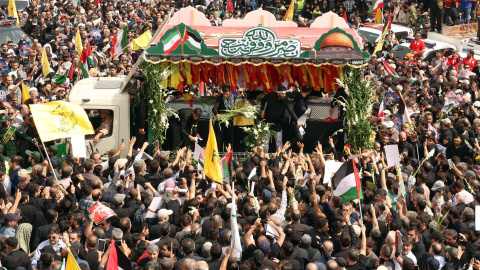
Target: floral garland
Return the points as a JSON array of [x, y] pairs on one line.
[[357, 108], [247, 112], [158, 97], [256, 135]]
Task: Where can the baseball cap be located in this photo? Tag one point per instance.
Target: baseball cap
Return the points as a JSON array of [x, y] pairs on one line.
[[118, 198], [446, 121], [264, 246], [258, 257], [468, 173], [111, 152], [34, 154], [11, 217], [438, 185], [53, 149], [11, 242], [433, 263], [451, 250], [163, 213], [121, 162]]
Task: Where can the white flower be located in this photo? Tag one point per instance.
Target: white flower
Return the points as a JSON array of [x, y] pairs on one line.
[[266, 128], [255, 132], [151, 101], [155, 111]]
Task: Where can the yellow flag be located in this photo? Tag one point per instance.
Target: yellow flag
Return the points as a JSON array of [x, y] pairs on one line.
[[60, 119], [25, 94], [45, 64], [289, 14], [71, 263], [12, 10], [142, 41], [378, 16], [212, 158], [78, 43]]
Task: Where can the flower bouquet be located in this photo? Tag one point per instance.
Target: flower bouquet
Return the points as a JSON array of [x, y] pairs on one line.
[[247, 112], [256, 134]]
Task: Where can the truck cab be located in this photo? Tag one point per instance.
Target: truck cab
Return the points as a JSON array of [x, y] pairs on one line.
[[95, 94]]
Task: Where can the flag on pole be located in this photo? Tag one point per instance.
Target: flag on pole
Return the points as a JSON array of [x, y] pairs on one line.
[[402, 110], [70, 264], [346, 182], [89, 55], [386, 27], [389, 69], [192, 41], [12, 10], [225, 161], [172, 42], [83, 65], [142, 41], [78, 43], [45, 64], [378, 5], [25, 94], [345, 16], [378, 16], [235, 237], [117, 260], [119, 42], [289, 15], [230, 6], [60, 119], [212, 159], [381, 110]]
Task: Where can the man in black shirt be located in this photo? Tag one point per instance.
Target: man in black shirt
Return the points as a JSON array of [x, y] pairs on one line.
[[15, 258], [224, 102], [184, 128], [300, 108], [273, 107], [355, 259]]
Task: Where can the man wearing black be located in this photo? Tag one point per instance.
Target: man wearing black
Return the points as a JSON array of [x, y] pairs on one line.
[[138, 112], [15, 258], [273, 107], [224, 102], [185, 129], [302, 111]]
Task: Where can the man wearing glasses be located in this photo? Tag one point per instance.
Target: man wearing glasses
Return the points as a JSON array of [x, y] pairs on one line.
[[53, 240]]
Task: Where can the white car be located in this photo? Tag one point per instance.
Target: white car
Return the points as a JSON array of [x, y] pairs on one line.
[[372, 32], [431, 47]]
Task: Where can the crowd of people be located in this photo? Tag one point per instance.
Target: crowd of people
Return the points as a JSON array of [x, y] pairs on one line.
[[416, 215]]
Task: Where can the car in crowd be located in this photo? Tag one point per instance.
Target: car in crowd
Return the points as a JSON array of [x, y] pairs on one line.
[[11, 32], [373, 32]]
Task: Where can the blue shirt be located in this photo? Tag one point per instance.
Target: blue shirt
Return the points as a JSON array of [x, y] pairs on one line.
[[465, 4], [252, 4], [8, 231]]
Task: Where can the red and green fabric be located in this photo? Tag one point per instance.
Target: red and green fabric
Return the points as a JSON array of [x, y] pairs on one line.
[[346, 182]]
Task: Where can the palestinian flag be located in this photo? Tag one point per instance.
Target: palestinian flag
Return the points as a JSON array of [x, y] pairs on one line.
[[225, 162], [192, 41], [402, 110], [89, 55], [346, 182], [201, 162], [119, 42], [117, 260], [389, 69], [172, 42], [71, 71], [230, 6], [377, 5], [83, 65]]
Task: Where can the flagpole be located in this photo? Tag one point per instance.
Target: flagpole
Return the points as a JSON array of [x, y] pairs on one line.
[[49, 161]]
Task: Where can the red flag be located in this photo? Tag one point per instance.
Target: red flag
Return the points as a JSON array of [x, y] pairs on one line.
[[230, 6], [389, 69], [117, 259], [345, 16], [97, 3], [70, 73], [201, 88]]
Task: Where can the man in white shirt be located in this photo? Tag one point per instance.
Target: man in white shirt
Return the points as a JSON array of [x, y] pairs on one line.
[[53, 240], [406, 253]]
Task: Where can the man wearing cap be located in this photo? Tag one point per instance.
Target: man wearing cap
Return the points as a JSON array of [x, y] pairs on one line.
[[273, 106], [10, 135], [34, 157], [163, 216], [11, 223], [119, 202], [16, 258]]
